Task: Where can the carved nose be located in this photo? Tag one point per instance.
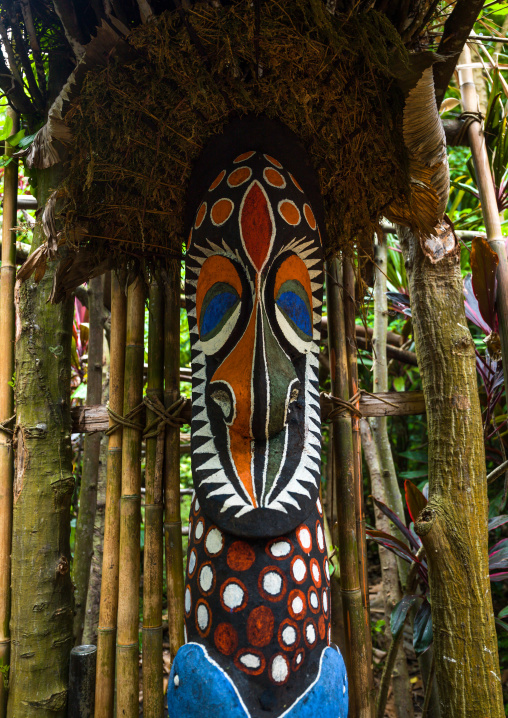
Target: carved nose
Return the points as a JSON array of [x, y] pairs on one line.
[[262, 381]]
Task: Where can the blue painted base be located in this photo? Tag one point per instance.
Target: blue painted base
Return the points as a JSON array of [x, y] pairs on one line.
[[198, 687]]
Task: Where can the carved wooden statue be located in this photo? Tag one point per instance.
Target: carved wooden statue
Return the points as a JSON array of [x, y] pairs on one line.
[[257, 595]]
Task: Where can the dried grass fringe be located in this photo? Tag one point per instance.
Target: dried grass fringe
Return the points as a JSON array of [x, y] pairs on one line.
[[138, 127]]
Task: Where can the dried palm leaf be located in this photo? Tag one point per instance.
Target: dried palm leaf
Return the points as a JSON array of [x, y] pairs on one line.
[[425, 142], [42, 153]]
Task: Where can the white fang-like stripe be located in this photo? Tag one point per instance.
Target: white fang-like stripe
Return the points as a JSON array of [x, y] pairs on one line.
[[218, 478], [208, 448], [198, 260], [295, 487], [244, 510], [200, 374], [202, 416], [311, 262], [313, 440], [307, 253], [213, 463], [204, 431], [200, 401], [278, 507], [311, 451], [190, 268], [226, 489]]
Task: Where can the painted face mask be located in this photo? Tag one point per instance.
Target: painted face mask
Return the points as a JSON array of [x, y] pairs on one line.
[[254, 282]]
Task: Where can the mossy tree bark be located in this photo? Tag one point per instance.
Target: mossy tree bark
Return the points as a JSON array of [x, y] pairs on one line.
[[42, 602], [453, 526]]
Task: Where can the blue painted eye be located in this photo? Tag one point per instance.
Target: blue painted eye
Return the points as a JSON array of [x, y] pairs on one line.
[[216, 310], [295, 308]]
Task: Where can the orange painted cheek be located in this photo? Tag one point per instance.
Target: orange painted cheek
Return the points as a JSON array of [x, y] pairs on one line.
[[236, 370]]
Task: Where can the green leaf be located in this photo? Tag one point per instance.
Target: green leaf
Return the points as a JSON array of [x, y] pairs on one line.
[[503, 612], [399, 383], [422, 628], [502, 624], [79, 392], [420, 456], [399, 613], [7, 128], [26, 141], [417, 474], [5, 160], [14, 140]]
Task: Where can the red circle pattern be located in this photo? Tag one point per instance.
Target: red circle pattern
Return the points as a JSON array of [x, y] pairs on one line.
[[264, 609]]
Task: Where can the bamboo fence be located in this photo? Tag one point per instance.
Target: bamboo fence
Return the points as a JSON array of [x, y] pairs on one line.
[[106, 637], [8, 278], [83, 545], [153, 552], [354, 393], [357, 659], [127, 638], [172, 511]]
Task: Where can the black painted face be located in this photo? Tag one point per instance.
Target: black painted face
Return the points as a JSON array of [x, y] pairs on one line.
[[254, 294]]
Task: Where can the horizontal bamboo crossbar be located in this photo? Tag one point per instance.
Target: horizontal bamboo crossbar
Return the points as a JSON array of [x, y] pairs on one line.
[[86, 419]]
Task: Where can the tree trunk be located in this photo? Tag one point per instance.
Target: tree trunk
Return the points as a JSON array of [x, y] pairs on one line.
[[453, 526], [88, 493], [392, 594], [42, 604]]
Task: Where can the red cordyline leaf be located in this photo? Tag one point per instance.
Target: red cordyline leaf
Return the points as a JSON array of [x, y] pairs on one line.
[[484, 263], [471, 306], [415, 500], [397, 521]]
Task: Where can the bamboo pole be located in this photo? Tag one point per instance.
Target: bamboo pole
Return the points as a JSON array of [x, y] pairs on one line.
[[106, 636], [127, 637], [487, 192], [172, 514], [361, 539], [7, 281], [356, 654], [83, 545], [153, 553], [379, 425]]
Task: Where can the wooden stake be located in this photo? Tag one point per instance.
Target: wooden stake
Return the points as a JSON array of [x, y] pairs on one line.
[[356, 658], [173, 520], [106, 640], [153, 553], [351, 354], [8, 278], [127, 638], [487, 191]]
